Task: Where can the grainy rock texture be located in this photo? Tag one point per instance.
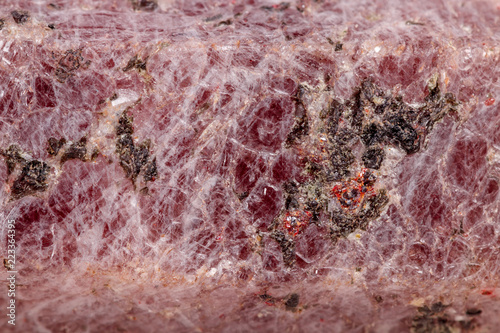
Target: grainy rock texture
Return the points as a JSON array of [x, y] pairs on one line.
[[251, 166]]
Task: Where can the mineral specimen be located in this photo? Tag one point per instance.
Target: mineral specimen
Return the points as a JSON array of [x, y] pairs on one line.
[[250, 165]]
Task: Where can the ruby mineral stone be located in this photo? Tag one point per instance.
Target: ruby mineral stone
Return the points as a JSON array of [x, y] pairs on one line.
[[250, 166]]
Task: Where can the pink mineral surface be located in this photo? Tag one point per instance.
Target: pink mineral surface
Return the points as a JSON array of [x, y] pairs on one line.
[[250, 166]]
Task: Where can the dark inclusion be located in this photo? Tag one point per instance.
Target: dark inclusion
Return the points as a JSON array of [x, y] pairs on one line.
[[435, 319], [287, 246], [144, 5], [344, 223], [291, 301], [54, 145], [134, 159], [12, 157], [77, 150], [20, 16], [69, 64], [135, 62], [301, 125], [33, 176], [373, 157], [372, 117]]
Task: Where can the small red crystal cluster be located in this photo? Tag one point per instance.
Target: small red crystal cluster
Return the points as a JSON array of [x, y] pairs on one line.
[[296, 221], [351, 193]]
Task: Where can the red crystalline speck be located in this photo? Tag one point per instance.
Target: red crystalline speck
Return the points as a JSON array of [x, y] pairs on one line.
[[296, 221], [351, 193], [490, 101], [250, 165]]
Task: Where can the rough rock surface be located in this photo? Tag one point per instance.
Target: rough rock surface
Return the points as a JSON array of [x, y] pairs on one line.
[[251, 166]]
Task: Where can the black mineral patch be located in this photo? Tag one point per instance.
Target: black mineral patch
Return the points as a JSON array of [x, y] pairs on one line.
[[54, 145], [374, 206], [343, 225], [242, 196], [77, 150], [428, 323], [291, 187], [291, 203], [125, 125], [94, 155], [68, 64], [225, 22], [71, 60], [20, 16], [144, 5], [371, 93], [368, 178], [373, 157], [301, 126], [12, 158], [436, 108], [435, 319], [135, 62], [344, 136], [357, 111], [434, 94], [438, 307], [332, 116], [2, 23], [33, 179], [473, 312], [287, 247], [315, 208], [141, 155], [341, 159], [373, 133], [134, 159], [313, 168], [126, 151], [403, 134], [292, 302], [265, 297], [150, 171]]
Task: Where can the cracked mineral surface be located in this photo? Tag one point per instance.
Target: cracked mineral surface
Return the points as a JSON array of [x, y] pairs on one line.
[[250, 166]]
